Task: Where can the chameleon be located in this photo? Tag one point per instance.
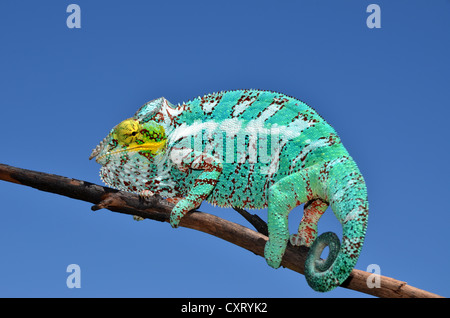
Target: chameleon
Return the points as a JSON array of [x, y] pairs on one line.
[[252, 149]]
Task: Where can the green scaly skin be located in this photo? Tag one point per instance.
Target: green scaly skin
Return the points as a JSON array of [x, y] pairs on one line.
[[251, 149]]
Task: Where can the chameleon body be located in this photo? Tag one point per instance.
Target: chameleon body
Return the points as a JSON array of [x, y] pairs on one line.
[[248, 149]]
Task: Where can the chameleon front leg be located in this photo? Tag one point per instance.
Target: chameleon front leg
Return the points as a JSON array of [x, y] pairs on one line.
[[203, 185], [307, 230], [284, 195]]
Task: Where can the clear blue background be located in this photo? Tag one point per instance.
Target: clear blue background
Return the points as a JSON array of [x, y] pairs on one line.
[[386, 92]]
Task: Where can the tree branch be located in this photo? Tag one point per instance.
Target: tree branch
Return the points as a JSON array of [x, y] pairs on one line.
[[158, 209], [254, 220]]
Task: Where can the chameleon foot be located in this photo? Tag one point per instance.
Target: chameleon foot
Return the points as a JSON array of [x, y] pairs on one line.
[[273, 253], [183, 206], [296, 240], [177, 214], [305, 237]]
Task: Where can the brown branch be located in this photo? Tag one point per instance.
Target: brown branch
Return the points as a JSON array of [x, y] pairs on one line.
[[159, 210]]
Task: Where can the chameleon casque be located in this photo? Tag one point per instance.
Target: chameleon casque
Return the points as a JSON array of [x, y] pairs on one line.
[[251, 149]]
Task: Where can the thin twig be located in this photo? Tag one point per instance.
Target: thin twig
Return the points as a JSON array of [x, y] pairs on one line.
[[157, 209], [254, 220]]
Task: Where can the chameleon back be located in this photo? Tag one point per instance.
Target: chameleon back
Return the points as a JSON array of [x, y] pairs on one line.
[[260, 137]]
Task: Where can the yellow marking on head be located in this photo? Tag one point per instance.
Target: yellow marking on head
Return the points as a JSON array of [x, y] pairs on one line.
[[154, 147]]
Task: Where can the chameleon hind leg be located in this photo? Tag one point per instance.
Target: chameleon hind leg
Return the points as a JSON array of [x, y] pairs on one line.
[[307, 230], [283, 196], [211, 169]]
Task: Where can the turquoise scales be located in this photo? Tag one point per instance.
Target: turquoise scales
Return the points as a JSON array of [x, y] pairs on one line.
[[248, 149]]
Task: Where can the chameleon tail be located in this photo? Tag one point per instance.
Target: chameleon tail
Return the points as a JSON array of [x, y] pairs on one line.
[[347, 195]]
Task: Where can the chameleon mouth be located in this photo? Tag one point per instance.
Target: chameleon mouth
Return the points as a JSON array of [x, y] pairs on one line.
[[154, 147]]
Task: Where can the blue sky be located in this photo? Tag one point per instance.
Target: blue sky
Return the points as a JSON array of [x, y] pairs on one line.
[[385, 91]]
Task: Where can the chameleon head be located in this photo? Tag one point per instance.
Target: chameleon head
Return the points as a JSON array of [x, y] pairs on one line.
[[130, 155], [131, 137]]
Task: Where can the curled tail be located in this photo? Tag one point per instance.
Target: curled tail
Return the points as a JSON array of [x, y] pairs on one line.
[[347, 195]]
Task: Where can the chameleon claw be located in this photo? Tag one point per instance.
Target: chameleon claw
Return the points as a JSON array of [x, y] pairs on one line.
[[146, 194], [174, 200]]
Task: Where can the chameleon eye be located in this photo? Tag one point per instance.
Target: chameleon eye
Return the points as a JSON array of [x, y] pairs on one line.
[[127, 131]]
